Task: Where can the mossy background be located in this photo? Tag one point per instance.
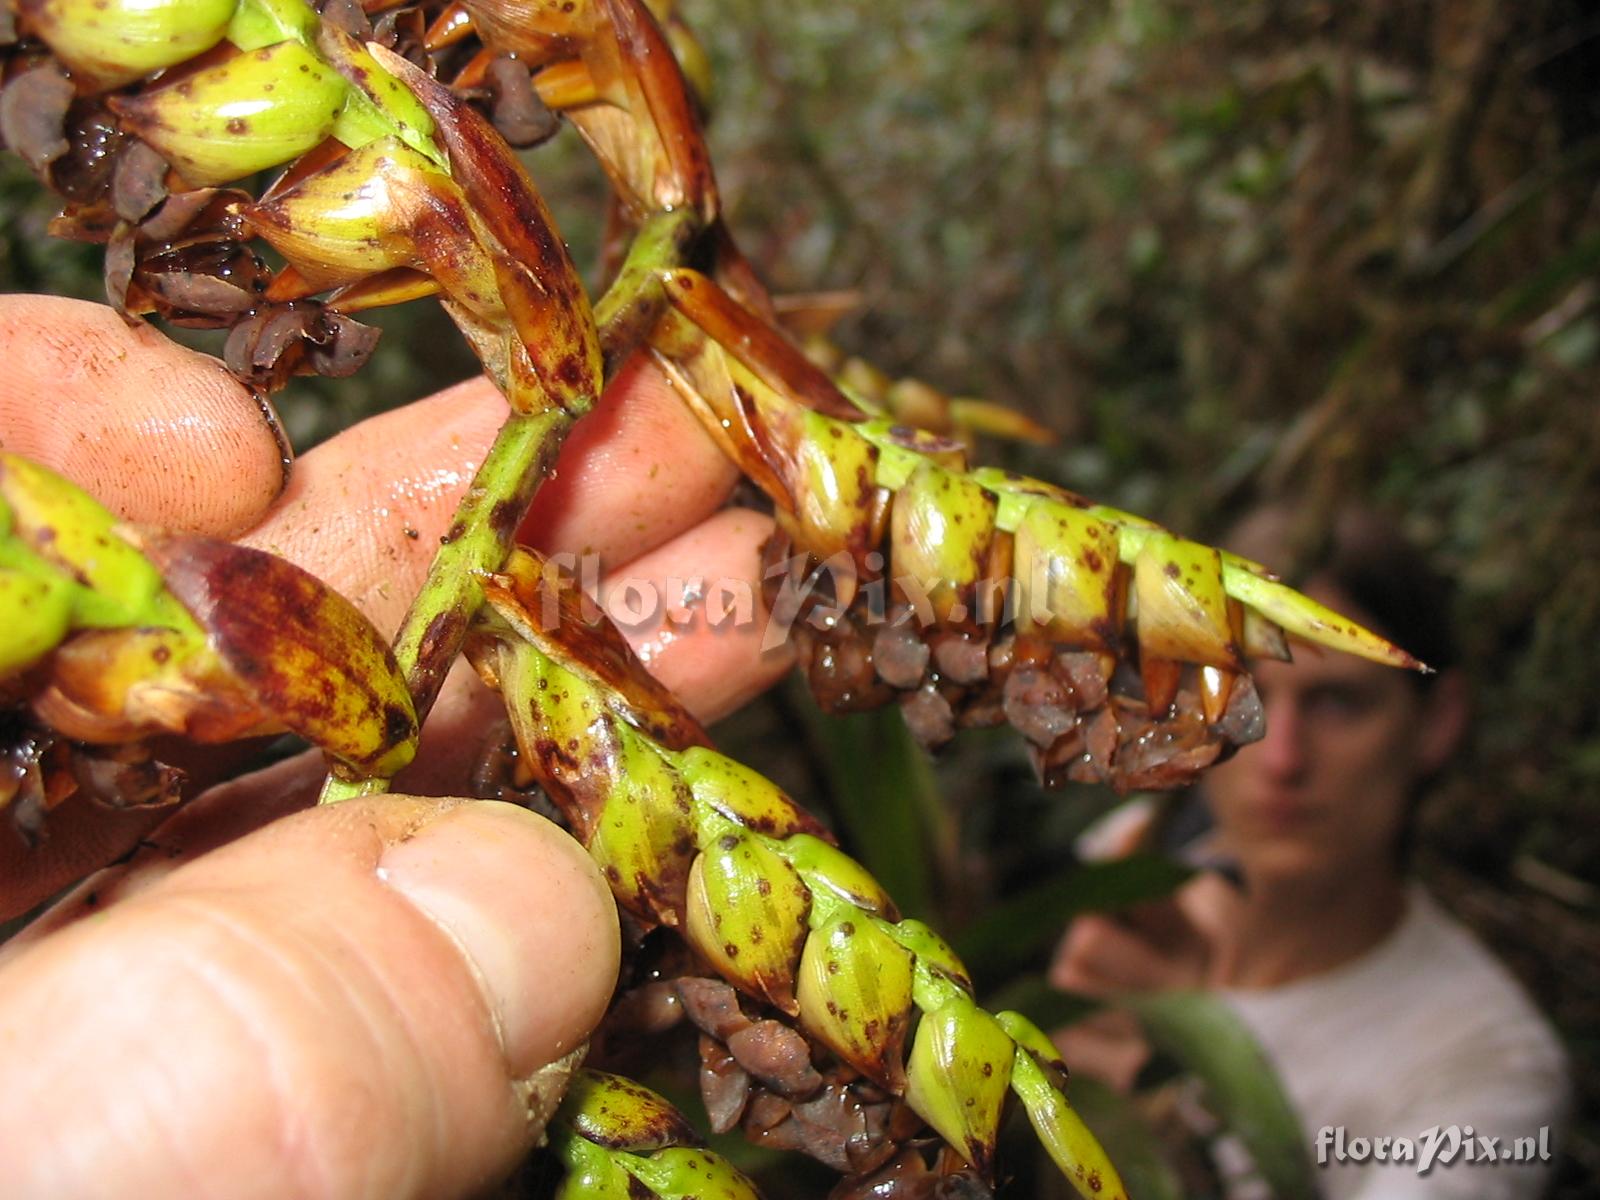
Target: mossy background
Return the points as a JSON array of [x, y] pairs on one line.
[[1226, 251]]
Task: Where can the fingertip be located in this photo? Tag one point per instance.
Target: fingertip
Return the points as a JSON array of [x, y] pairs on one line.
[[138, 420], [635, 472], [83, 837], [365, 510], [494, 877], [694, 613]]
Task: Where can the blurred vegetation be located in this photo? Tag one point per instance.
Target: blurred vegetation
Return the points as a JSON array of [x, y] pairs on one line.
[[1228, 251]]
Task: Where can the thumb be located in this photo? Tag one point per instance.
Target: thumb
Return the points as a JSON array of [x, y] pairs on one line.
[[360, 1000]]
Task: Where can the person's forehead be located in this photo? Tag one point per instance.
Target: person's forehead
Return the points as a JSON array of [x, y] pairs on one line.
[[1316, 666]]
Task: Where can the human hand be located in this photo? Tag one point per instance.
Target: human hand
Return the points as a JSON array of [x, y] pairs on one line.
[[356, 1000], [1151, 947], [1158, 946]]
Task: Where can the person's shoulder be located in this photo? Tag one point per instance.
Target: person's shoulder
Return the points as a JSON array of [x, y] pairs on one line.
[[1456, 1037], [1431, 940], [1477, 999]]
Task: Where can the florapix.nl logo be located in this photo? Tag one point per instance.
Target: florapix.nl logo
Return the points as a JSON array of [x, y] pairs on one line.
[[1437, 1146]]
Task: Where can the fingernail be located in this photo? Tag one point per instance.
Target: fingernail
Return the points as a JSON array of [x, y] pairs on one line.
[[280, 436], [529, 913]]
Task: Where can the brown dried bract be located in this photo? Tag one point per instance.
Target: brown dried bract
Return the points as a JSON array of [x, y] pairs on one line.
[[302, 337], [1086, 718], [757, 1073], [33, 116], [908, 1177], [519, 115], [40, 770]]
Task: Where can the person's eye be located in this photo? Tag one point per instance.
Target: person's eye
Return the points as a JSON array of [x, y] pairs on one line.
[[1338, 703]]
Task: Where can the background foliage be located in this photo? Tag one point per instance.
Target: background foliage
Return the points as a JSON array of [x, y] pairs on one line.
[[1226, 250], [1236, 250]]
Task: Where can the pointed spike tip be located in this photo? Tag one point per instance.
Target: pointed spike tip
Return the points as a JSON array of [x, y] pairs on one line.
[[1313, 622]]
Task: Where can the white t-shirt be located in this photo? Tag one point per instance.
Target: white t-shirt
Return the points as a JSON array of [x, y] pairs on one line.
[[1427, 1031]]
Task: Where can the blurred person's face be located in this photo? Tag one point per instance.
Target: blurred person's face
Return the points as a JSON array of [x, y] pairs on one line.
[[1324, 794]]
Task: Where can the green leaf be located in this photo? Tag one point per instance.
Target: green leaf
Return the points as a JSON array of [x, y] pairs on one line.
[[888, 801], [1206, 1037], [1047, 1007], [1010, 937]]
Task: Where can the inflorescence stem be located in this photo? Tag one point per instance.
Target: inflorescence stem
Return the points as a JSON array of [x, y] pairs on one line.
[[523, 452]]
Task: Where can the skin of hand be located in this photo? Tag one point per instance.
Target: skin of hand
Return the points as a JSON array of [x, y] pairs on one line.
[[356, 1000], [1160, 945]]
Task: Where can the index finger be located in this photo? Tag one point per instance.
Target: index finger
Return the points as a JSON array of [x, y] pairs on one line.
[[160, 434]]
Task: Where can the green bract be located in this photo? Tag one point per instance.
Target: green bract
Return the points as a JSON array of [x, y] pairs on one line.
[[958, 1076], [152, 633], [252, 112], [620, 1140], [855, 995], [115, 42], [56, 527], [38, 614], [689, 838]]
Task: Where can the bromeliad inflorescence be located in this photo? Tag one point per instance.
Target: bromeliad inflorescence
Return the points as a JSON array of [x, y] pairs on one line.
[[827, 1023], [114, 636], [979, 597], [692, 840]]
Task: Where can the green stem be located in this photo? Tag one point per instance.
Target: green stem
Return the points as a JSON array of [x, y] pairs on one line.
[[634, 302], [523, 452], [478, 541]]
